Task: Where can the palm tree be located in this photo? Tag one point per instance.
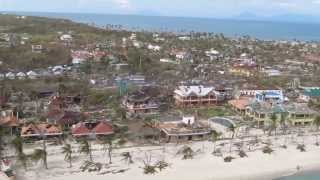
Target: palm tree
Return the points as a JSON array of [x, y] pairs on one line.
[[85, 148], [127, 157], [316, 122], [273, 125], [283, 119], [67, 150], [18, 146], [1, 142], [232, 128], [215, 136], [40, 154], [108, 146]]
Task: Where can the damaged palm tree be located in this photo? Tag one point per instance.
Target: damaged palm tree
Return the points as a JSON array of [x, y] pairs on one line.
[[187, 152], [148, 168], [127, 157]]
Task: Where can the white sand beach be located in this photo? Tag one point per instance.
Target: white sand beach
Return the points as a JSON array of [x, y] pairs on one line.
[[204, 165]]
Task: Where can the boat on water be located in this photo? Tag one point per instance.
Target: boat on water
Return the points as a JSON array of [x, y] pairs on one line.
[[6, 172]]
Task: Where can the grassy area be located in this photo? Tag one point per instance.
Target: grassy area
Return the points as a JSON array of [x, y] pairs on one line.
[[207, 112]]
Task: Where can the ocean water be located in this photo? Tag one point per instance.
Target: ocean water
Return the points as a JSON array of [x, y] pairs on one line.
[[303, 176], [231, 28]]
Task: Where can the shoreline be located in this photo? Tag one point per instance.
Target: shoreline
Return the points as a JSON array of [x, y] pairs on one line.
[[204, 165]]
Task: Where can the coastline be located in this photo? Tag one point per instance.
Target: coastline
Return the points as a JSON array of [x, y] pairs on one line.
[[204, 166]]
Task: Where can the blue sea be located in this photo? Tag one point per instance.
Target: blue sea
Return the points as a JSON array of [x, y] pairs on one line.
[[303, 176], [231, 28]]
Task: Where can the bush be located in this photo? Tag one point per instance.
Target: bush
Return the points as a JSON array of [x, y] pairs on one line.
[[242, 154], [284, 146], [149, 169], [228, 159], [161, 165], [301, 147], [267, 150]]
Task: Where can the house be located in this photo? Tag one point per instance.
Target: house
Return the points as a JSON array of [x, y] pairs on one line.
[[37, 48], [244, 68], [269, 95], [310, 95], [32, 75], [261, 112], [66, 37], [9, 121], [272, 96], [79, 57], [21, 75], [191, 96], [186, 129], [154, 47], [10, 75], [166, 60], [296, 113], [300, 114], [91, 130], [212, 54], [140, 103], [184, 38], [40, 130], [240, 105], [271, 72]]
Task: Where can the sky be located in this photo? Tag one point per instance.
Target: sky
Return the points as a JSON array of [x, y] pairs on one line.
[[185, 8]]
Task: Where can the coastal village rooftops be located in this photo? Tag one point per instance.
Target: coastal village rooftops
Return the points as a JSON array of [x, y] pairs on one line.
[[32, 130], [103, 128], [241, 103], [82, 129], [194, 90], [9, 121], [299, 108], [185, 127], [312, 92]]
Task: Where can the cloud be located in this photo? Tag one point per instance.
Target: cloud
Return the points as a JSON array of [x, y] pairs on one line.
[[124, 4]]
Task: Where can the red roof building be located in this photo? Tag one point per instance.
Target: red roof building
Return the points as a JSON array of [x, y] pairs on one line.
[[81, 130], [103, 128]]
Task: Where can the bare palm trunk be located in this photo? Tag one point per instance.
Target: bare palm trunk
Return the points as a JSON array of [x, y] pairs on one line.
[[45, 154]]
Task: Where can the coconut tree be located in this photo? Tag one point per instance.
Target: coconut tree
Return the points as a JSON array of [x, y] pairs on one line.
[[232, 129], [316, 122], [1, 142], [215, 136], [40, 154], [85, 148], [17, 143], [127, 157], [108, 146], [273, 124], [67, 151], [283, 119]]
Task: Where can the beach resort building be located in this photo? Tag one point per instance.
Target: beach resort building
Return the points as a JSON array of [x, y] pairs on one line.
[[186, 129], [91, 130], [40, 130], [139, 103], [191, 96]]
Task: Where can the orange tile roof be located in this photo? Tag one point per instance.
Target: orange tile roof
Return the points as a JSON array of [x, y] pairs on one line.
[[9, 121], [240, 103]]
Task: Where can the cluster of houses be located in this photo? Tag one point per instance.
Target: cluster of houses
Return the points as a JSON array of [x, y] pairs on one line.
[[261, 104], [62, 117]]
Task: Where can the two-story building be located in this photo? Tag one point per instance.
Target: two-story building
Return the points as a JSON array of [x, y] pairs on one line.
[[191, 96]]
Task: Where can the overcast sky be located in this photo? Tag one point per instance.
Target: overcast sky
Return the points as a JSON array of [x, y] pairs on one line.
[[194, 8]]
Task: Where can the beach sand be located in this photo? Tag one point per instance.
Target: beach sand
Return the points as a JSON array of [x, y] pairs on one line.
[[204, 165]]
